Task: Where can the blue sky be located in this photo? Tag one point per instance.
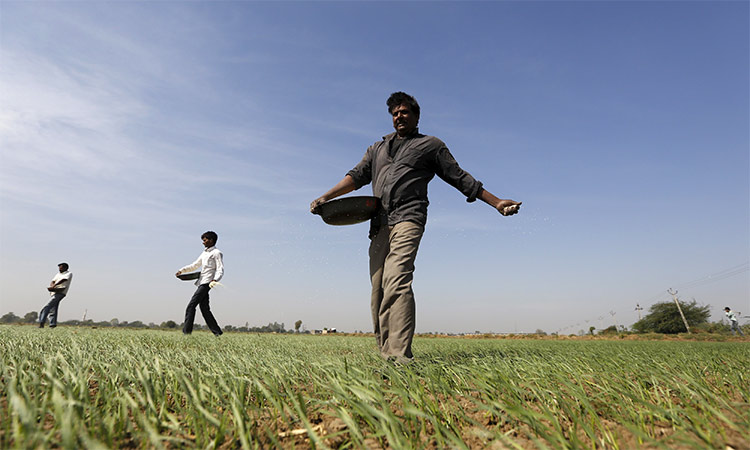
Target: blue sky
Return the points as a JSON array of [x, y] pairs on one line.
[[129, 128]]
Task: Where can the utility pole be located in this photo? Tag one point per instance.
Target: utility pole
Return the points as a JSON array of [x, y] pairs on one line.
[[84, 315], [612, 313], [674, 296], [639, 309]]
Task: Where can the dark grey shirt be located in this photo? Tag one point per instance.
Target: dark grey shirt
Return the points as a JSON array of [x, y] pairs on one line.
[[400, 173]]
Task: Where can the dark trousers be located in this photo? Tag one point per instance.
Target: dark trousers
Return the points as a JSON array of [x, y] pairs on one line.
[[200, 298], [50, 309]]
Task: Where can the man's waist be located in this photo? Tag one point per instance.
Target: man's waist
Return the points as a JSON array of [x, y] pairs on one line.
[[414, 210]]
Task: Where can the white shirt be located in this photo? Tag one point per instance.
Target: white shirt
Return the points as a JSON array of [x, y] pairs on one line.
[[211, 264], [68, 277]]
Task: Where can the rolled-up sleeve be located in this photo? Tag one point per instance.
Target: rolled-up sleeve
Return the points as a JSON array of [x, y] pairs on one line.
[[449, 171], [362, 172]]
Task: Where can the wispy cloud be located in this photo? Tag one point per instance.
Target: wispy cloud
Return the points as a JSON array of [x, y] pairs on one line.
[[91, 136]]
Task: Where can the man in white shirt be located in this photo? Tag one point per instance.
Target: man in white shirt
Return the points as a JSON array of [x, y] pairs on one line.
[[733, 321], [212, 269], [58, 289]]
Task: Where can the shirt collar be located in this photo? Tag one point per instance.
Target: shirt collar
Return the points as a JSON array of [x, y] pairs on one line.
[[394, 135], [209, 249]]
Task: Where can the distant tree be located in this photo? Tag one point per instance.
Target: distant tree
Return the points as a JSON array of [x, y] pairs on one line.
[[540, 332], [297, 324], [612, 329], [270, 328], [169, 324], [665, 318], [114, 322], [30, 317], [591, 330], [10, 318]]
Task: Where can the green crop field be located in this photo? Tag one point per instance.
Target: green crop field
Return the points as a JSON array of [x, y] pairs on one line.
[[114, 388]]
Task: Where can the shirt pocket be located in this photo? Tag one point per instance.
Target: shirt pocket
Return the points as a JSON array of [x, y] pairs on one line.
[[413, 156]]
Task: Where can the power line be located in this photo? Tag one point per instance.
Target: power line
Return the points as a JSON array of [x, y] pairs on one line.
[[724, 274], [708, 279]]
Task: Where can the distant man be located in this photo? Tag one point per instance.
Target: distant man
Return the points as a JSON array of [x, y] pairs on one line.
[[58, 289], [212, 269], [733, 321], [399, 167]]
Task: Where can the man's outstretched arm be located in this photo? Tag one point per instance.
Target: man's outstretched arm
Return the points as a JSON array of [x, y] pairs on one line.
[[344, 186], [503, 206]]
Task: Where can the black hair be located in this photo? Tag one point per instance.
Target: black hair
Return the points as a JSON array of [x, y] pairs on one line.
[[727, 308], [210, 235], [402, 98], [64, 266]]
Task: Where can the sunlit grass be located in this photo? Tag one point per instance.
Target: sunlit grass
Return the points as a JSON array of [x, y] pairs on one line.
[[114, 388]]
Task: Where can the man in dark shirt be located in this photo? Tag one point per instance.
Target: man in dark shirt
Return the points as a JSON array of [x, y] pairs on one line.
[[399, 168]]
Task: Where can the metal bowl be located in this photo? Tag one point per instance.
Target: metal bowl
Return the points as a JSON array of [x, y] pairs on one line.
[[189, 276], [349, 210]]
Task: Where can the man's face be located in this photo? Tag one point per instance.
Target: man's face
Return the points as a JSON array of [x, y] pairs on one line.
[[404, 120], [208, 242], [61, 268]]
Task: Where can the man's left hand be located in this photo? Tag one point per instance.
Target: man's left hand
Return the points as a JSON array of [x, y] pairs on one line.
[[508, 207]]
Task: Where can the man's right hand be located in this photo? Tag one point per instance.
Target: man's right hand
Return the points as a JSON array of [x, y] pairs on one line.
[[315, 205], [179, 272]]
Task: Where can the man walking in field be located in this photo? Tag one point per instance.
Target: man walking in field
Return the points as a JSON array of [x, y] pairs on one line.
[[399, 167], [733, 321], [212, 269], [58, 289]]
